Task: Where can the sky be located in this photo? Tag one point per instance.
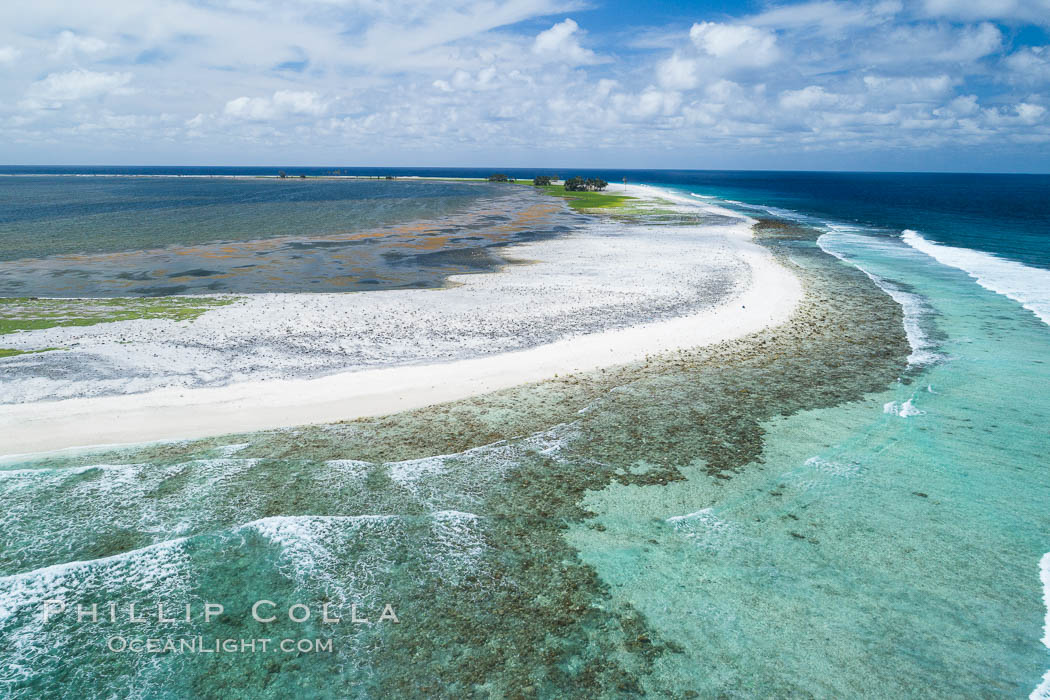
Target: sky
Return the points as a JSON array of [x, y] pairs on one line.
[[939, 85]]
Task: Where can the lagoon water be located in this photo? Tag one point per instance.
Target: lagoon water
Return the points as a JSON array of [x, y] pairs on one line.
[[106, 236], [857, 505]]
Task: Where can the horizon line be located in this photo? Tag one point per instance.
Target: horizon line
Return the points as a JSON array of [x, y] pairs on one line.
[[538, 168]]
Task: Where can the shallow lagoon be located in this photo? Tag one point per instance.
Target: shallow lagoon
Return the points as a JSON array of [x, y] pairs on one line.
[[159, 236]]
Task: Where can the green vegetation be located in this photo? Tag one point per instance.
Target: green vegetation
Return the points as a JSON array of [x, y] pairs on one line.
[[544, 180], [582, 201], [591, 184], [30, 313], [500, 177], [625, 208], [11, 352]]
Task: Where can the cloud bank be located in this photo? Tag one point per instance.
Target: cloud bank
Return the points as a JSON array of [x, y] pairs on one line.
[[847, 84]]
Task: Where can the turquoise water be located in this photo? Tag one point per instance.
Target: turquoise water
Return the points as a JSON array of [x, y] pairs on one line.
[[852, 505], [889, 547]]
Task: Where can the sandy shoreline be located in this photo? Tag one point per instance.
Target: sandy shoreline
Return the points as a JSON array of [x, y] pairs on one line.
[[767, 295]]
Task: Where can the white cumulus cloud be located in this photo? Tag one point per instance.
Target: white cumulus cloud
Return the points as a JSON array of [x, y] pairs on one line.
[[70, 43], [78, 84], [282, 103], [908, 89], [561, 43], [739, 44], [1029, 65], [1030, 113], [677, 72], [809, 97]]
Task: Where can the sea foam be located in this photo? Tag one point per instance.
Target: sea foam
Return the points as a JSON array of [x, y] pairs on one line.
[[1044, 576], [905, 409], [1042, 691], [1029, 286], [912, 305], [150, 565], [833, 468], [705, 530], [352, 556]]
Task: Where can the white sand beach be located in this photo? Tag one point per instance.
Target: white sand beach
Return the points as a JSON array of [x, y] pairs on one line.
[[607, 294]]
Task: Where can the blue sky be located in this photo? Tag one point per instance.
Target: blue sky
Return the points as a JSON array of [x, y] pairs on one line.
[[874, 85]]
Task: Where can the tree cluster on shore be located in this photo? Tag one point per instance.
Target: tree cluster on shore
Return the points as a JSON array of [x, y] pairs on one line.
[[573, 184], [591, 184], [500, 177]]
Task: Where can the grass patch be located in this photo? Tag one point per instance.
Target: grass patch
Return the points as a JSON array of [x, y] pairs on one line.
[[30, 313], [11, 352], [583, 201], [621, 207]]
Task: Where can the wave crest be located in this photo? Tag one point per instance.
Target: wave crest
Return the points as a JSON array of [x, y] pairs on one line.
[[1029, 286]]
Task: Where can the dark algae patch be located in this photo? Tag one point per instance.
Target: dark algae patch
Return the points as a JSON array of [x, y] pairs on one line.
[[471, 547]]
